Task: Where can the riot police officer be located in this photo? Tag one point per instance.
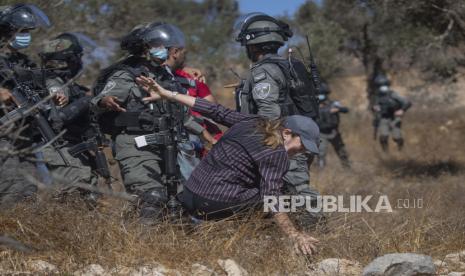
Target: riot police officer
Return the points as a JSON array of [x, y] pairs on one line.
[[328, 121], [62, 62], [389, 107], [275, 86], [16, 22], [126, 115]]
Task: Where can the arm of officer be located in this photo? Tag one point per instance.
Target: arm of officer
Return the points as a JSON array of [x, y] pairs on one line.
[[116, 91], [340, 108], [405, 104], [267, 79]]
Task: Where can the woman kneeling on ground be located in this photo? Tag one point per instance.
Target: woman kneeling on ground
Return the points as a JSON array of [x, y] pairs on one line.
[[246, 164]]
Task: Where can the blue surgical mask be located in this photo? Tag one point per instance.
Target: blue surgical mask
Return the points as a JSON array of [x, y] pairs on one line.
[[321, 97], [160, 53], [21, 41]]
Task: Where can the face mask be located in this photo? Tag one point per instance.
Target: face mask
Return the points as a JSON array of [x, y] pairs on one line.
[[21, 41], [159, 53], [384, 89], [321, 97]]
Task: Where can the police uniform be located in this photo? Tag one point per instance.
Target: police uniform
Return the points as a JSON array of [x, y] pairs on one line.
[[389, 124], [79, 170], [141, 168], [329, 133], [265, 93], [17, 172]]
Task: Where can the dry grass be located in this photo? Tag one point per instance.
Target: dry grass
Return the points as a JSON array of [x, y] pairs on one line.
[[431, 168]]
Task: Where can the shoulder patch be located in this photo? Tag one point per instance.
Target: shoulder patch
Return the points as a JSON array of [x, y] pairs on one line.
[[109, 86], [260, 76], [262, 90]]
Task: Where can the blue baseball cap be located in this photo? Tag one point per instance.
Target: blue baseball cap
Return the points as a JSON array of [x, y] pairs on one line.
[[307, 129]]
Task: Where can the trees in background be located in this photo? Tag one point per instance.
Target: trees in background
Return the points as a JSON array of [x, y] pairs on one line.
[[381, 34], [386, 35]]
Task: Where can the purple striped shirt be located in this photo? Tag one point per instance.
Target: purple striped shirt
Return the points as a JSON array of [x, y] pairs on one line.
[[239, 167]]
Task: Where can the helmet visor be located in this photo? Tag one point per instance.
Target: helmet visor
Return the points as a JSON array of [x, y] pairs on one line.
[[162, 34], [27, 16]]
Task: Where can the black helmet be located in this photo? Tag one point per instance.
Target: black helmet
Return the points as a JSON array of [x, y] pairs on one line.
[[257, 28], [163, 34], [66, 50], [21, 17], [382, 80], [153, 35], [132, 42]]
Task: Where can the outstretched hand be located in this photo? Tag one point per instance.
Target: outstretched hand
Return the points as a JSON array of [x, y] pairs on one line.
[[153, 88]]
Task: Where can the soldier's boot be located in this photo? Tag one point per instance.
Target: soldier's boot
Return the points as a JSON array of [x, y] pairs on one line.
[[400, 143], [152, 206], [344, 157], [384, 141]]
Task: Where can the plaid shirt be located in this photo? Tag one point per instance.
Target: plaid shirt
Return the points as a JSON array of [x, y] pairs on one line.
[[239, 167]]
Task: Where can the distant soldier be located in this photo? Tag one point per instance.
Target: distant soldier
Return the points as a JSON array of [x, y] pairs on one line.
[[389, 108], [328, 122]]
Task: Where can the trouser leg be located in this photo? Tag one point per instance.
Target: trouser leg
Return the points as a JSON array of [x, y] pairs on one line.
[[396, 127], [323, 148], [384, 131], [341, 151], [142, 175]]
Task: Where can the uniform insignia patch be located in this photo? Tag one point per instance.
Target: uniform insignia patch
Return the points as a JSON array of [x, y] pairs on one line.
[[262, 90], [108, 87]]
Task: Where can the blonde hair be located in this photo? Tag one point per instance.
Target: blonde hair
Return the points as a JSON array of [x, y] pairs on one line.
[[272, 132]]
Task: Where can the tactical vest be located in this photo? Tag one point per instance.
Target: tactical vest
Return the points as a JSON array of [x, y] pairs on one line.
[[298, 97], [388, 105], [328, 121], [140, 116]]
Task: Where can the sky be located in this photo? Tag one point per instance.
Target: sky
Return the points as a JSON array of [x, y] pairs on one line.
[[270, 7]]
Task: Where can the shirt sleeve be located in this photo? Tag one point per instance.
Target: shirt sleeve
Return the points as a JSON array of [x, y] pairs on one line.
[[272, 169], [119, 85], [219, 113]]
